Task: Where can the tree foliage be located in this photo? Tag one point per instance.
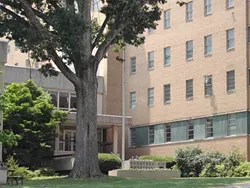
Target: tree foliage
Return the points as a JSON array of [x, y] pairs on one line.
[[30, 118]]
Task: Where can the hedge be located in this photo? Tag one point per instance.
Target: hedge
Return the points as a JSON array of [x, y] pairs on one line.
[[169, 160], [108, 162]]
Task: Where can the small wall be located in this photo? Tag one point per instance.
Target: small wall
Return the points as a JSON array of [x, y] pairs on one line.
[[143, 164], [145, 173]]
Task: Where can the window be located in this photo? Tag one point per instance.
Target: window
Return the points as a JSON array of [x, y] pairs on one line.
[[230, 39], [190, 130], [167, 22], [132, 100], [73, 102], [132, 65], [230, 3], [150, 96], [95, 5], [167, 56], [132, 137], [28, 63], [150, 30], [54, 97], [189, 50], [189, 11], [209, 128], [189, 89], [230, 81], [151, 134], [167, 93], [63, 101], [151, 60], [167, 133], [208, 85], [231, 122], [208, 45], [208, 7], [248, 35]]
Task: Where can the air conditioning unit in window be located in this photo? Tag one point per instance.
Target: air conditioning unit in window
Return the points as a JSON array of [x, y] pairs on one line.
[[208, 80]]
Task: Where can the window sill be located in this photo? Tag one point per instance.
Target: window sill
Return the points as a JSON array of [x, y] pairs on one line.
[[187, 21], [167, 103], [209, 14], [189, 99], [231, 91], [228, 8], [209, 138], [207, 96], [151, 69], [230, 49], [167, 27], [191, 59], [151, 106], [132, 108], [208, 55], [132, 73], [167, 65]]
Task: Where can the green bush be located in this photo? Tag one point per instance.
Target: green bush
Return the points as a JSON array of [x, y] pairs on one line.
[[210, 160], [189, 160], [243, 170], [169, 160], [108, 162], [45, 172]]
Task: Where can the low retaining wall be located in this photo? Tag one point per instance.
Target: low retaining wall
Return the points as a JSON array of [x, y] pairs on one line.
[[143, 164], [146, 173]]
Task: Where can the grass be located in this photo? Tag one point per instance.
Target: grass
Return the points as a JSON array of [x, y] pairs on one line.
[[109, 182]]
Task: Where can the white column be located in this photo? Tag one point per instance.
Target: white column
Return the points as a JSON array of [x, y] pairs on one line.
[[3, 60], [115, 139]]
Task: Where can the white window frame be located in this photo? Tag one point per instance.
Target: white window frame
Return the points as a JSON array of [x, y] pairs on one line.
[[167, 19], [208, 45], [208, 85], [132, 137], [167, 56], [151, 96], [230, 81], [230, 4], [189, 50], [132, 65], [167, 93], [167, 132], [209, 127], [230, 39], [231, 122], [95, 5], [151, 56], [189, 11], [190, 130], [132, 102], [151, 135], [208, 7], [189, 89]]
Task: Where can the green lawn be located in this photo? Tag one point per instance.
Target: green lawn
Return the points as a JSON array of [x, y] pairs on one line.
[[131, 183]]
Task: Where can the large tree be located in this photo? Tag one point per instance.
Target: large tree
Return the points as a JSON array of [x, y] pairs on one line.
[[46, 27], [30, 121]]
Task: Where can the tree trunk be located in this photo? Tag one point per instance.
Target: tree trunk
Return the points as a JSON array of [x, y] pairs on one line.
[[86, 154]]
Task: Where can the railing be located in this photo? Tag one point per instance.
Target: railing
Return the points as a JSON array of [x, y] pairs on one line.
[[70, 145]]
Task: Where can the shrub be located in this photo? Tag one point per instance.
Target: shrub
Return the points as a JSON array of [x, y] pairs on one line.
[[45, 172], [189, 160], [210, 160], [242, 170], [169, 160], [108, 162]]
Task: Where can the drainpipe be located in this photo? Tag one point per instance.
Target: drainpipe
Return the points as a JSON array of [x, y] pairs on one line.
[[123, 108]]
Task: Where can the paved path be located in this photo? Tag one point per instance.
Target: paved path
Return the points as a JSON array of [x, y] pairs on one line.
[[240, 185]]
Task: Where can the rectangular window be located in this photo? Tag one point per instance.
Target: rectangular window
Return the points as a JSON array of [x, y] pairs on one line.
[[208, 45], [64, 101], [151, 60], [189, 11], [167, 56], [189, 50], [208, 85], [151, 97], [230, 39], [231, 122], [230, 3], [209, 128], [132, 137], [167, 19], [167, 133], [132, 65], [150, 30], [190, 130], [151, 134], [248, 35], [189, 89], [167, 93], [208, 7], [132, 100], [230, 81]]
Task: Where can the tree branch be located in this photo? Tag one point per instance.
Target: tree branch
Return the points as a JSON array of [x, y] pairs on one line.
[[63, 68], [42, 16], [97, 39]]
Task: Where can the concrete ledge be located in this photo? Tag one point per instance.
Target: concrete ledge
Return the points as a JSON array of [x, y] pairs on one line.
[[145, 173]]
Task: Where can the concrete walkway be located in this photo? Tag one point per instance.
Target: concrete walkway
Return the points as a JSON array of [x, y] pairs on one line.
[[240, 185]]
